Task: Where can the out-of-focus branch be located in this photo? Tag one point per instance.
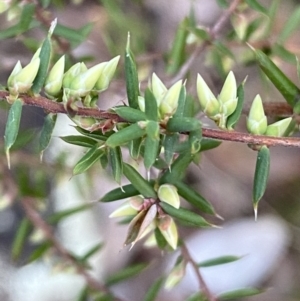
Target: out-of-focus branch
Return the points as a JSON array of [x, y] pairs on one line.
[[37, 221]]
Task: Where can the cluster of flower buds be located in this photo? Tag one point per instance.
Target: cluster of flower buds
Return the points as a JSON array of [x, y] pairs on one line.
[[166, 99], [147, 216], [220, 108], [257, 121], [21, 79]]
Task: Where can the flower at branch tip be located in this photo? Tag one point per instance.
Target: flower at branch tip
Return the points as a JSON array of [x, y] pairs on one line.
[[169, 102], [167, 193], [208, 102], [21, 79], [168, 229], [54, 79], [106, 74], [278, 128], [227, 97], [257, 120], [158, 88]]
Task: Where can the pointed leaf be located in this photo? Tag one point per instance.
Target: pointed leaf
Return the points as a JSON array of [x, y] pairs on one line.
[[183, 124], [151, 108], [185, 215], [169, 143], [46, 133], [218, 261], [240, 293], [290, 26], [120, 193], [125, 135], [194, 198], [135, 148], [91, 156], [40, 251], [131, 77], [181, 103], [20, 238], [130, 114], [79, 140], [261, 175], [12, 126], [96, 248], [116, 162], [98, 135], [254, 4], [144, 187], [154, 289], [126, 273]]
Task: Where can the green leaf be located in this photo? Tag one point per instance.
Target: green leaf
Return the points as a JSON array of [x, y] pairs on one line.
[[24, 138], [284, 85], [235, 116], [254, 4], [135, 148], [91, 252], [152, 144], [44, 56], [223, 50], [91, 156], [144, 187], [223, 3], [185, 215], [131, 77], [177, 169], [20, 238], [240, 293], [153, 291], [58, 216], [12, 127], [95, 134], [120, 193], [194, 198], [207, 144], [181, 103], [151, 109], [177, 55], [46, 133], [262, 169], [79, 140], [116, 162], [169, 143], [126, 273], [197, 297], [195, 138], [183, 124], [130, 114], [283, 53], [40, 251], [125, 135], [160, 239], [290, 26], [218, 261], [253, 27]]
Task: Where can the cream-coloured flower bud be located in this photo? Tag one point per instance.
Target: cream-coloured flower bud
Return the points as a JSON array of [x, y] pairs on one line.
[[168, 193], [257, 120], [169, 103], [71, 74], [21, 79], [106, 74], [176, 274], [83, 83], [124, 210], [277, 129], [208, 102], [136, 202], [227, 97], [54, 79], [36, 54], [168, 229], [158, 88]]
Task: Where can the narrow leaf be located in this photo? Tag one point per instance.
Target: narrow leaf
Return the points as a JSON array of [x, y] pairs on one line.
[[46, 133], [120, 193], [151, 109], [130, 114], [20, 238], [131, 77], [98, 135], [185, 215], [181, 103], [154, 289], [290, 26], [135, 148], [254, 4], [144, 187], [240, 293], [194, 198], [169, 143], [91, 252], [183, 124], [261, 176], [126, 273], [91, 156], [284, 85], [116, 161], [39, 251], [79, 140], [207, 144], [218, 261], [12, 126], [125, 135]]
